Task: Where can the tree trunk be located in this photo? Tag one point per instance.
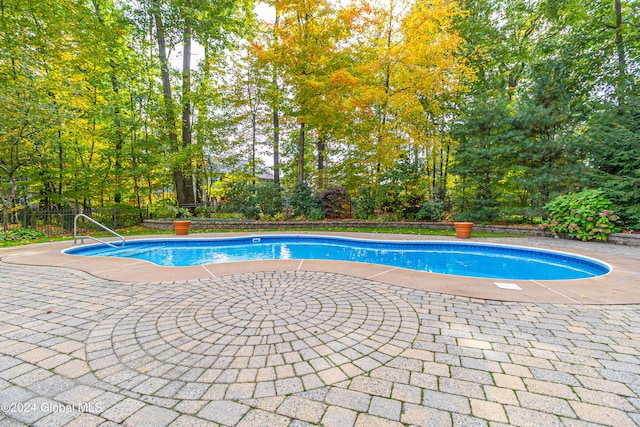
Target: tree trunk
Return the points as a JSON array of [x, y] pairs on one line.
[[276, 114], [61, 167], [200, 105], [622, 63], [434, 166], [383, 108], [189, 196], [619, 42], [8, 201], [441, 162], [183, 189], [186, 88], [254, 132], [443, 190], [301, 155], [5, 218], [321, 148], [276, 144]]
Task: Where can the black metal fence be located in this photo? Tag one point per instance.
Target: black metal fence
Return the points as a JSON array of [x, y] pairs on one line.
[[59, 222]]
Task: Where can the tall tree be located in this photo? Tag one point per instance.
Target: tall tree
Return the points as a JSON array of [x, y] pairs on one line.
[[410, 73], [181, 172], [309, 40], [266, 46], [50, 92], [613, 132], [213, 25], [527, 77], [276, 104]]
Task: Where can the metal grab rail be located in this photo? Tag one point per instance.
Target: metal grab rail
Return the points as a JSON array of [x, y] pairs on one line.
[[105, 228]]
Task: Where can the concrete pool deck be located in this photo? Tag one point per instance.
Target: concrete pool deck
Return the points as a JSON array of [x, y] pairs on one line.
[[621, 286], [93, 342]]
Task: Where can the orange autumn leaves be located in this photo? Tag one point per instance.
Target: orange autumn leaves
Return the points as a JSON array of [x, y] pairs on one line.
[[374, 78]]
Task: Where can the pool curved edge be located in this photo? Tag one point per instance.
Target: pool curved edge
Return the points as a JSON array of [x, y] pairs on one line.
[[620, 286], [518, 251]]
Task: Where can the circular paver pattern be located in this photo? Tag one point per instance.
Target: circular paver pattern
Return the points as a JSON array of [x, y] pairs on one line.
[[251, 335]]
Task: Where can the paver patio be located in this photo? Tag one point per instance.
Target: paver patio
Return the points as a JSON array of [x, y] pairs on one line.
[[307, 347]]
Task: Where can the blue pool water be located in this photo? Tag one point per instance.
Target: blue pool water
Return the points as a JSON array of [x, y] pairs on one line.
[[461, 259]]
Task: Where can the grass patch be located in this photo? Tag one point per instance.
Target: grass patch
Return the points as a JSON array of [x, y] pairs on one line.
[[6, 244]]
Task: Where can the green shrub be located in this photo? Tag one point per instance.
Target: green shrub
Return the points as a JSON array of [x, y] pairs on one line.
[[387, 200], [167, 208], [269, 199], [226, 216], [431, 210], [364, 205], [22, 235], [304, 201], [173, 212], [250, 212], [586, 215], [204, 211], [261, 201], [315, 214], [241, 199]]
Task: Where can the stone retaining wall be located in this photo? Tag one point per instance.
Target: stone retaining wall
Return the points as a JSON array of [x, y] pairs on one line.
[[625, 239], [288, 225], [516, 230], [199, 224]]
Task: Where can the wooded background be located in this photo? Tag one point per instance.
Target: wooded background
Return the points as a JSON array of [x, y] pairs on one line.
[[486, 109]]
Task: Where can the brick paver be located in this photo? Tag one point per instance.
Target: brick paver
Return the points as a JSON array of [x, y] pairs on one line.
[[302, 348]]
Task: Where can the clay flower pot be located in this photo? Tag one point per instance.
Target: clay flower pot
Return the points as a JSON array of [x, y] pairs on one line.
[[182, 227], [463, 229]]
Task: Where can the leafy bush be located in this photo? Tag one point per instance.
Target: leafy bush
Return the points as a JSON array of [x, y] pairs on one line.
[[174, 212], [22, 235], [397, 202], [387, 200], [364, 205], [166, 208], [204, 211], [241, 198], [226, 216], [261, 201], [164, 212], [411, 204], [183, 213], [431, 210], [586, 215], [315, 214], [336, 203], [269, 199], [249, 211], [304, 201]]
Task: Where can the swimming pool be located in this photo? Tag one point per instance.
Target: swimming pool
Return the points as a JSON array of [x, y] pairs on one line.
[[454, 258]]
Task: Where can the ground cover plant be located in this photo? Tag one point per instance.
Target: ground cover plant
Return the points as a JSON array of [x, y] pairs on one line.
[[18, 236]]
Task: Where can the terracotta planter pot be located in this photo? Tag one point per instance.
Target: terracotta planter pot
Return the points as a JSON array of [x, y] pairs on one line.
[[463, 229], [182, 227]]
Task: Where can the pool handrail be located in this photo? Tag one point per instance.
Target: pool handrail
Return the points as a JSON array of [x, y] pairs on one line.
[[104, 227]]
